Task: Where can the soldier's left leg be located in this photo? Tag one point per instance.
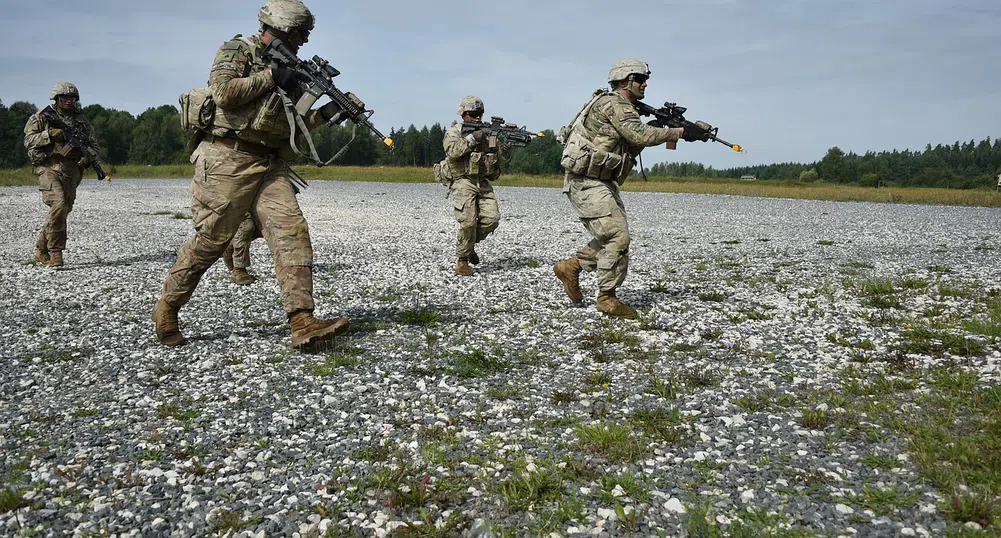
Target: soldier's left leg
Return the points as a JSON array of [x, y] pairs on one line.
[[52, 187], [287, 234], [241, 243], [489, 213]]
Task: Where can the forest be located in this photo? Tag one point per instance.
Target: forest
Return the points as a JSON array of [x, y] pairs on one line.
[[155, 137]]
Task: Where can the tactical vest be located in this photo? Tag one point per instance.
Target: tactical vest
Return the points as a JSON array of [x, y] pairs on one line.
[[262, 119], [583, 157], [476, 165]]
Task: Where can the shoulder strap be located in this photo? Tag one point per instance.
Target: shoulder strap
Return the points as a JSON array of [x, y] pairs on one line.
[[578, 120]]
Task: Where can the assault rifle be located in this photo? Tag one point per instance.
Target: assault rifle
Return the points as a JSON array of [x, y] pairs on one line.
[[75, 140], [511, 133], [317, 82], [672, 115]]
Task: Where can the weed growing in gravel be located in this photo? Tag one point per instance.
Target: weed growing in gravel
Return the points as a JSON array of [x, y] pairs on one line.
[[422, 316], [530, 485], [614, 442], [335, 361], [700, 376], [712, 296], [176, 411], [476, 363], [825, 242], [926, 341], [181, 216], [988, 324], [11, 500], [815, 419], [667, 387], [882, 501], [597, 379], [878, 461], [506, 391], [660, 424], [613, 488], [534, 264], [941, 269], [563, 397], [980, 507], [231, 521]]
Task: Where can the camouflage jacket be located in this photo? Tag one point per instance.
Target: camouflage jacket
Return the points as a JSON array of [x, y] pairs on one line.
[[43, 149], [614, 123], [473, 159], [247, 104]]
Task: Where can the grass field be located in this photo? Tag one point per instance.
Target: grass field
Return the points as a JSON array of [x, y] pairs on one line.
[[766, 189]]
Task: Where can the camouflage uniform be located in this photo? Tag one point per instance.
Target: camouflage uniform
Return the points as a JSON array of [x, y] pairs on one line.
[[244, 236], [58, 175], [601, 146], [475, 204], [615, 126], [238, 171]]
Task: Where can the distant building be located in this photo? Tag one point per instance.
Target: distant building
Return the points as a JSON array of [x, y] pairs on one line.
[[748, 177]]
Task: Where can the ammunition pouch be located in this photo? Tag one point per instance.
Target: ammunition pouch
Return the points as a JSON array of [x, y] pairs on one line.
[[581, 157], [197, 109]]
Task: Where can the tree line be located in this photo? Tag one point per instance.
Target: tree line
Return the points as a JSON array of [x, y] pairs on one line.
[[155, 137]]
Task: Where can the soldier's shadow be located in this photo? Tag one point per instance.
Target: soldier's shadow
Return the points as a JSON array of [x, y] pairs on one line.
[[164, 256], [508, 264]]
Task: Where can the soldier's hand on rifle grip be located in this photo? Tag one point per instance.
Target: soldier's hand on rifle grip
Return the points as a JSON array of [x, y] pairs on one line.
[[286, 78], [83, 162], [57, 134]]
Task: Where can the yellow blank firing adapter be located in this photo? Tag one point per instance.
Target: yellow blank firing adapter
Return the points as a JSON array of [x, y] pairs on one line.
[[389, 142], [738, 148], [540, 133]]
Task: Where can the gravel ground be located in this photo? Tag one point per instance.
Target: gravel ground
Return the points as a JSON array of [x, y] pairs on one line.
[[476, 406]]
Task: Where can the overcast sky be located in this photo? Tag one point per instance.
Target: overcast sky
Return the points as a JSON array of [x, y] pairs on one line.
[[787, 79]]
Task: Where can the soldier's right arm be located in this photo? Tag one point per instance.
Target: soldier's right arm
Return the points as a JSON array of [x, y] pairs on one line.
[[231, 86], [626, 120], [456, 145], [36, 133]]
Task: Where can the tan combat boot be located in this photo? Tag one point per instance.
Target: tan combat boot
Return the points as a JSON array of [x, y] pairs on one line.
[[41, 256], [609, 304], [473, 258], [568, 271], [55, 259], [227, 256], [309, 330], [165, 318], [462, 267], [243, 278]]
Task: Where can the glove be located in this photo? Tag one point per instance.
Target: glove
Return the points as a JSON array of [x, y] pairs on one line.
[[332, 113], [83, 162], [478, 135], [286, 78], [694, 132], [57, 134], [356, 101]]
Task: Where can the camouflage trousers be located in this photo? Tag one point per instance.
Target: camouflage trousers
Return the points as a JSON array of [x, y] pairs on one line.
[[600, 209], [476, 211], [58, 183], [244, 236], [227, 185]]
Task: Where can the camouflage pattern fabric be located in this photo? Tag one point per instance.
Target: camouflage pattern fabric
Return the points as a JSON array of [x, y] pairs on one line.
[[473, 165], [58, 175], [246, 104], [244, 236], [227, 185], [612, 125], [601, 211], [476, 212]]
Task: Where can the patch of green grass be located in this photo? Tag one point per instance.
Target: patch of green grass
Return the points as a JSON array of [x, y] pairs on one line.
[[927, 341], [683, 347], [711, 334], [181, 216], [731, 242], [941, 269], [667, 387], [231, 522], [506, 391], [877, 461], [815, 419], [333, 363], [626, 485], [913, 283], [980, 507], [525, 489], [476, 363], [825, 242], [660, 424], [11, 500], [563, 397], [176, 411], [701, 377], [712, 296], [534, 264], [614, 442], [422, 316], [597, 379], [882, 501], [85, 412]]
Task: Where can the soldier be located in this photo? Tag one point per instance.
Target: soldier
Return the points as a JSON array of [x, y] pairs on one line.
[[237, 254], [238, 170], [601, 146], [471, 163], [59, 168]]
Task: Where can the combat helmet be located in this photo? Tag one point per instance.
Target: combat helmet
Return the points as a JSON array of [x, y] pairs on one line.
[[286, 15], [470, 103], [631, 66], [64, 88]]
